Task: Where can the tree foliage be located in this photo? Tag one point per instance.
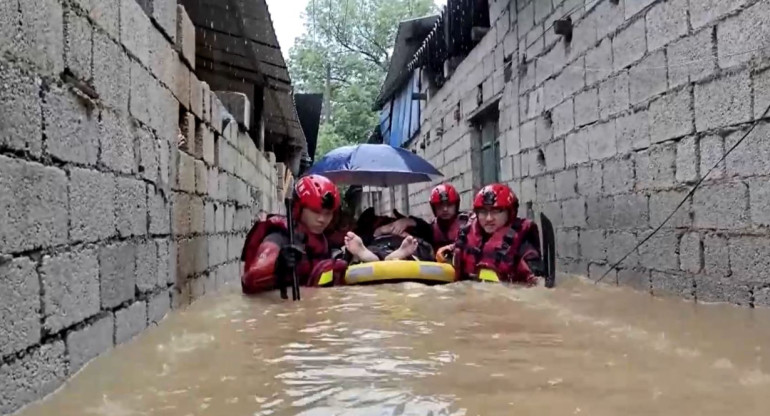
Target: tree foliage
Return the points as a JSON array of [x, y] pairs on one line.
[[344, 53]]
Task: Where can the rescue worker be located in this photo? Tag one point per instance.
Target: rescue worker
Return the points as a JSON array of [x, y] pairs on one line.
[[268, 256], [497, 245], [445, 203]]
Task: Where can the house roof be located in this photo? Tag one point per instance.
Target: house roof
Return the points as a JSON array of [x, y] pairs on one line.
[[237, 50], [409, 37]]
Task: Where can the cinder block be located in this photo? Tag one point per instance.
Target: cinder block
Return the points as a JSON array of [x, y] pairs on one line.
[[158, 209], [31, 377], [207, 143], [586, 107], [158, 307], [637, 278], [117, 143], [20, 318], [632, 132], [704, 12], [545, 188], [655, 169], [143, 90], [88, 343], [238, 105], [691, 59], [201, 178], [164, 12], [687, 160], [761, 83], [576, 145], [620, 244], [185, 36], [42, 35], [135, 29], [186, 172], [165, 164], [590, 179], [690, 253], [672, 283], [633, 7], [599, 62], [111, 72], [146, 266], [723, 102], [196, 96], [217, 250], [131, 207], [206, 97], [665, 22], [721, 206], [566, 184], [234, 246], [181, 87], [181, 212], [600, 210], [201, 255], [648, 78], [78, 44], [117, 271], [613, 95], [163, 60], [567, 243], [574, 212], [543, 131], [165, 262], [229, 217], [70, 126], [660, 251], [593, 245], [629, 45], [527, 135], [662, 204], [20, 105], [188, 127], [33, 200], [759, 189], [70, 288], [630, 211], [716, 252], [715, 289], [197, 215], [130, 321], [149, 153], [749, 259], [618, 175], [712, 148], [671, 116], [601, 140], [92, 205], [219, 218], [554, 156], [563, 118], [525, 18], [750, 157], [733, 33], [106, 14]]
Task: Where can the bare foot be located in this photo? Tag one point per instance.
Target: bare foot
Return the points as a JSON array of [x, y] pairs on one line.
[[408, 247], [356, 247]]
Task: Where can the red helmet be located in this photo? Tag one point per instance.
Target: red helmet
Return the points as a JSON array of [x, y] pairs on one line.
[[442, 194], [496, 195], [316, 192]]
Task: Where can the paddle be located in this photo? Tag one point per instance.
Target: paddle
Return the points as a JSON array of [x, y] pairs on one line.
[[290, 221]]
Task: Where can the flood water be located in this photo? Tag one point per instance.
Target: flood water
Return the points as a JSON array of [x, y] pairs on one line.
[[462, 349]]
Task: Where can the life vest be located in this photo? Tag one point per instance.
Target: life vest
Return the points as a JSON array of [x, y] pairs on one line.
[[316, 268], [502, 257], [443, 238]]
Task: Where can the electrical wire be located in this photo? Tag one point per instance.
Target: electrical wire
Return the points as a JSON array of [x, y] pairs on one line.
[[689, 194]]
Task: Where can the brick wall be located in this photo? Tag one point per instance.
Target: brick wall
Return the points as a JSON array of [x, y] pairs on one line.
[[647, 97], [121, 194]]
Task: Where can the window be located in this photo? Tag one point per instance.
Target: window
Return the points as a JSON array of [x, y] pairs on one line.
[[490, 151]]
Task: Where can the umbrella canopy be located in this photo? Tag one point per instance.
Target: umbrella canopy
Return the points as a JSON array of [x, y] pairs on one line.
[[374, 165]]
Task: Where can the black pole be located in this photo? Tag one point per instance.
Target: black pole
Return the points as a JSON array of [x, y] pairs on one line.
[[290, 222]]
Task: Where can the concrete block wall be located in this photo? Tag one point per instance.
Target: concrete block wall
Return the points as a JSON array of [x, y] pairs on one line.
[[608, 133], [122, 194]]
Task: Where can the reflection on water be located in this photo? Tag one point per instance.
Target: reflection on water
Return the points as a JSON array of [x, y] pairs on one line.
[[463, 349]]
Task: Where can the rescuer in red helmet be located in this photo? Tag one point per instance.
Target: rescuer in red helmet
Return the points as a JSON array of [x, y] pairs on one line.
[[497, 245], [268, 256], [445, 203]]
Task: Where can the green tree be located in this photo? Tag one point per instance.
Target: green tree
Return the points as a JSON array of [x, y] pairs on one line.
[[344, 53]]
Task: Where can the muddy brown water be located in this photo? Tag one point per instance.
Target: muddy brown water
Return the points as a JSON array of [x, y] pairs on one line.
[[462, 349]]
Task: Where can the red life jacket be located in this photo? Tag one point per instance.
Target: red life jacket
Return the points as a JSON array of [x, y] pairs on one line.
[[443, 238], [505, 252], [317, 259]]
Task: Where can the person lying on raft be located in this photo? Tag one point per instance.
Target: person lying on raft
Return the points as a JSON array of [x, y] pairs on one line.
[[370, 226], [361, 254], [497, 245], [270, 259]]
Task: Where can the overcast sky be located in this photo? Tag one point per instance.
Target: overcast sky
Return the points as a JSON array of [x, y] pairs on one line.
[[287, 20]]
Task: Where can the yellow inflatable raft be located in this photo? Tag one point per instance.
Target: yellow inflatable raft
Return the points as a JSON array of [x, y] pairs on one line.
[[398, 271]]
